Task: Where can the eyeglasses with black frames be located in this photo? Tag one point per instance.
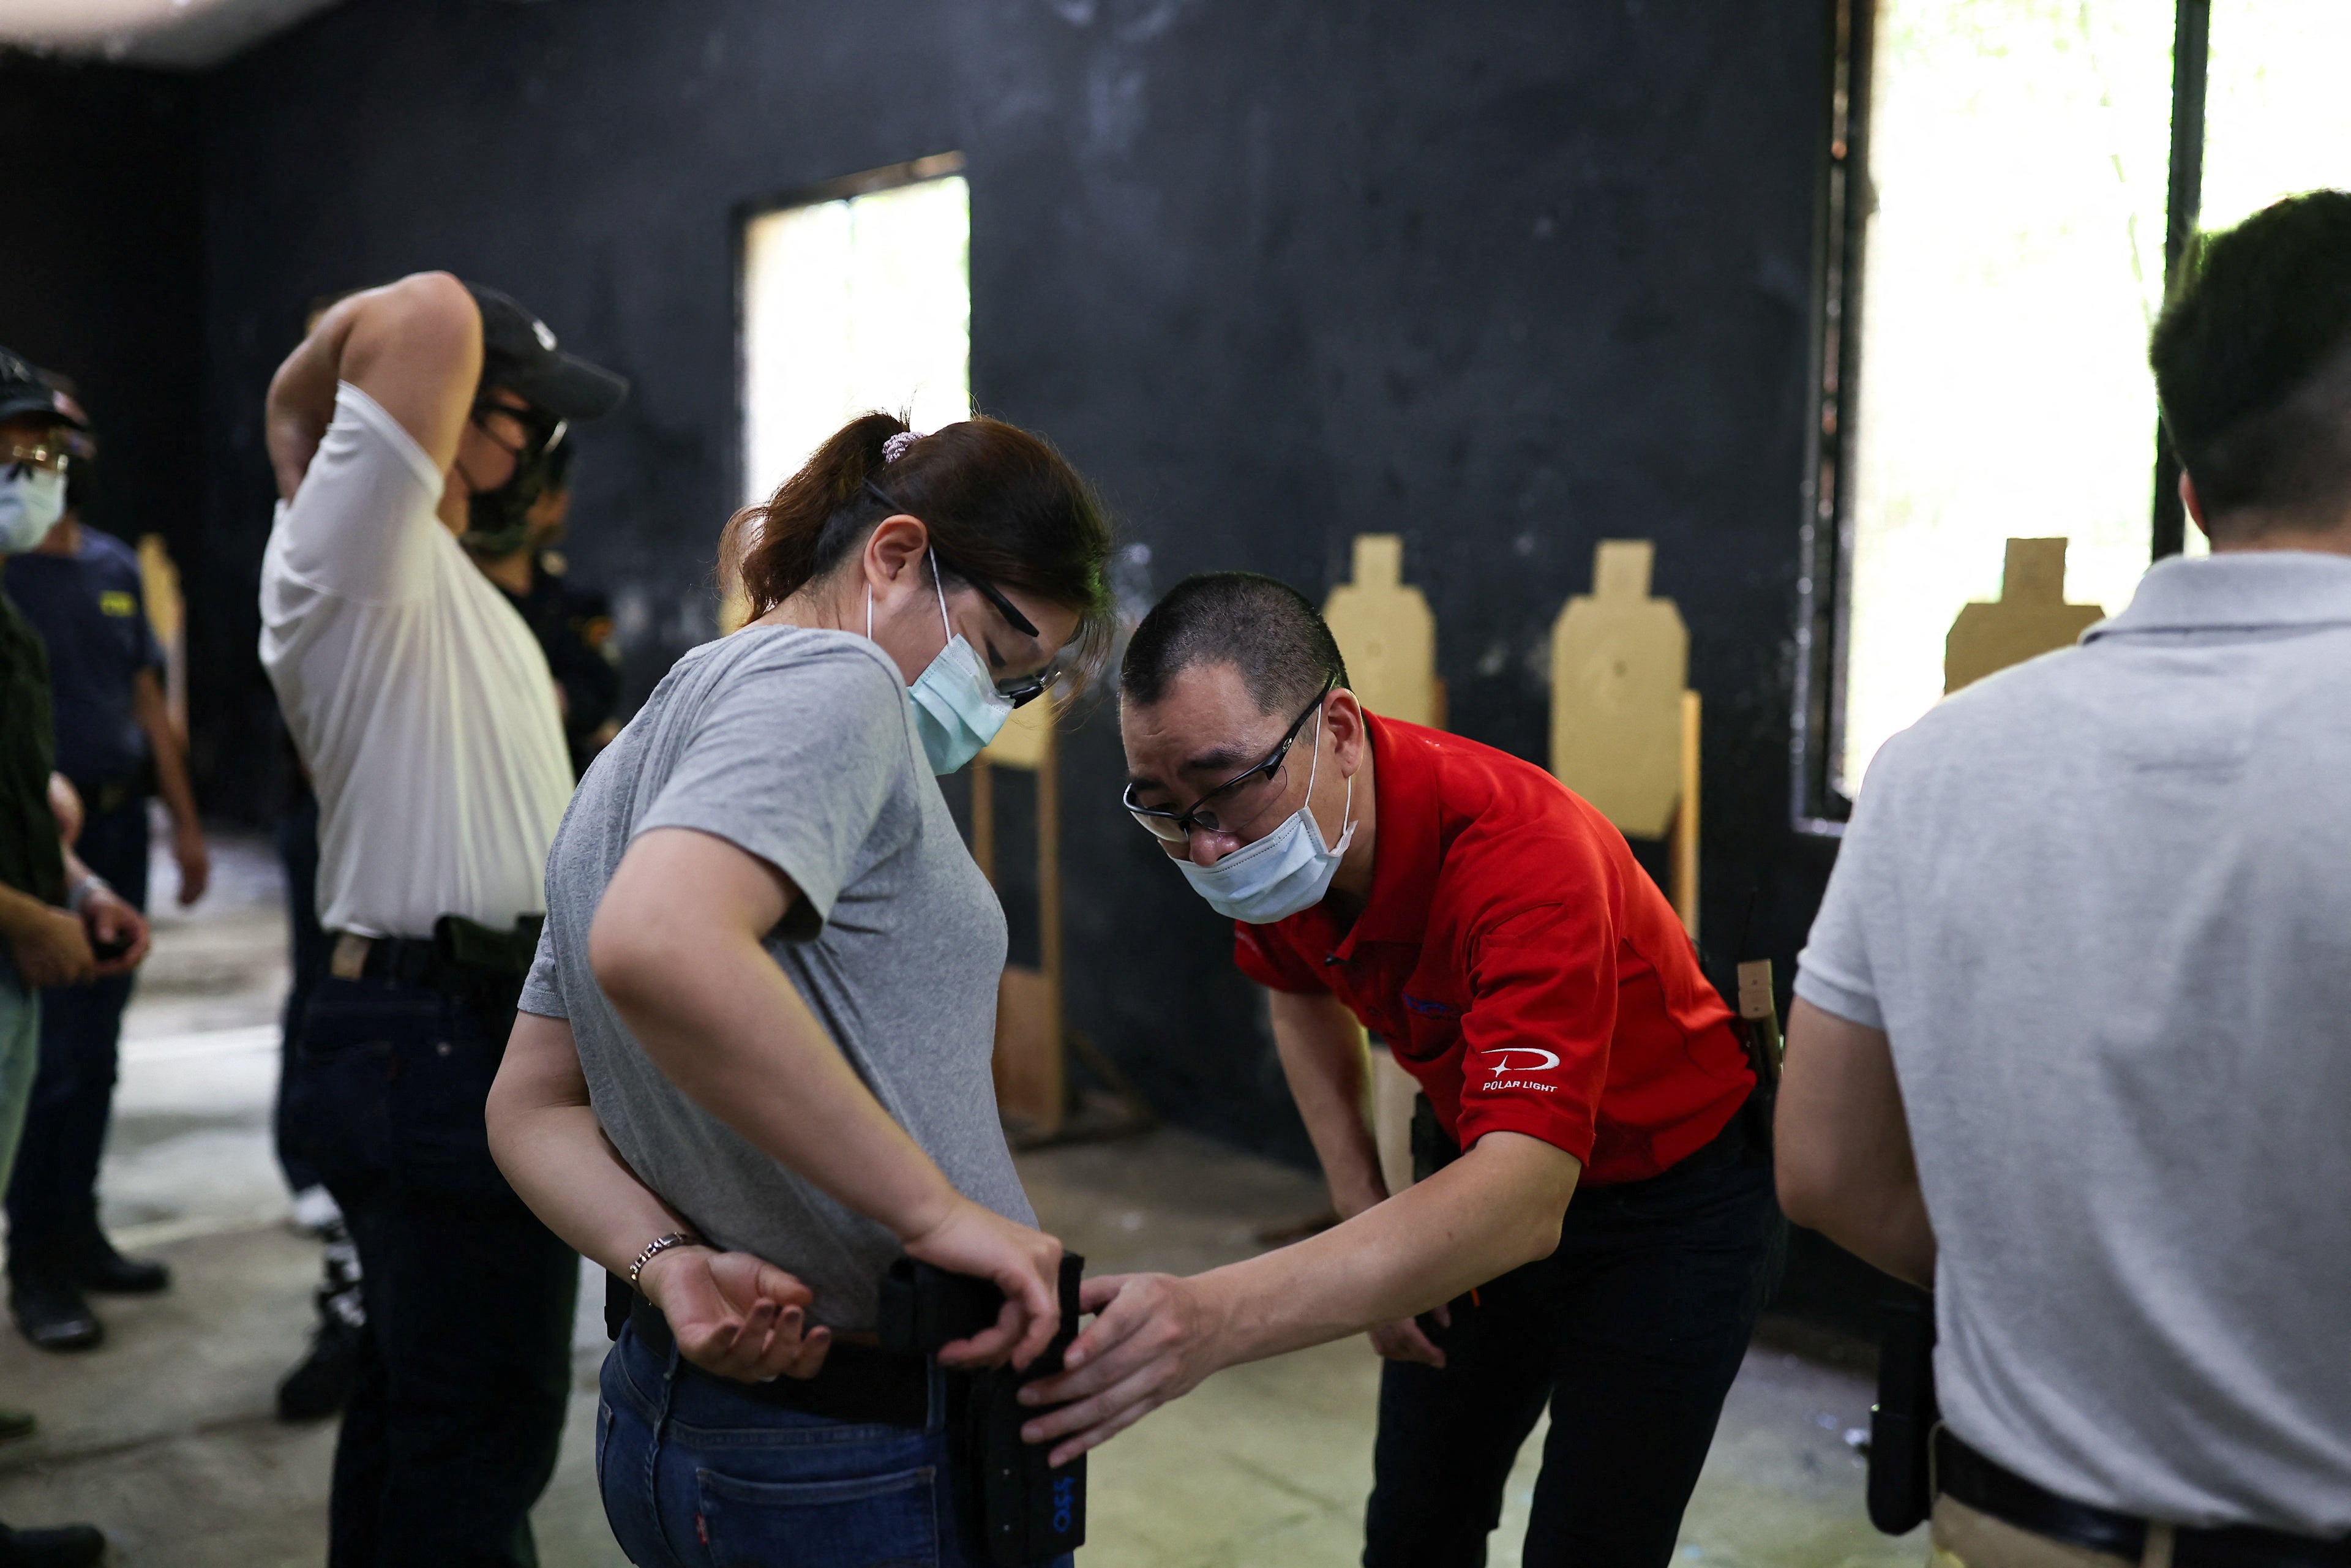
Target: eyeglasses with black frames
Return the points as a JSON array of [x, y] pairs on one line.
[[1026, 689], [1235, 805]]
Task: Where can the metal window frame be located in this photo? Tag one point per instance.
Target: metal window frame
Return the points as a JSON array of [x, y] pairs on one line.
[[1843, 199]]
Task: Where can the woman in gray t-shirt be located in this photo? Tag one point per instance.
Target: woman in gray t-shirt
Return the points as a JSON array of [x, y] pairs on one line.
[[752, 1062]]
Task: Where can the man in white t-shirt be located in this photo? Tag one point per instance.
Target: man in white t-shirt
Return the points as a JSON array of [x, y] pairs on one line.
[[2072, 1042], [426, 716]]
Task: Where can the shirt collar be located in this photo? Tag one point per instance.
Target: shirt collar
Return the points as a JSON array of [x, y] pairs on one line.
[[1405, 855], [2238, 590]]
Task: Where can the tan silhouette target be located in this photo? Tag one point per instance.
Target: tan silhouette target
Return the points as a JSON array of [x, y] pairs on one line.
[[2030, 618], [1387, 635], [1623, 725]]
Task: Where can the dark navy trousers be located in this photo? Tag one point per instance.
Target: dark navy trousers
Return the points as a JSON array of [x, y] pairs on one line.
[[53, 1192], [451, 1433]]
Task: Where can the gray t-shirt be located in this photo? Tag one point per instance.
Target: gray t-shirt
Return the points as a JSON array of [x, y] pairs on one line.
[[799, 748], [2101, 906]]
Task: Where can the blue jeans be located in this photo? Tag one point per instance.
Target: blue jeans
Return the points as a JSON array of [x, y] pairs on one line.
[[696, 1473], [1631, 1332]]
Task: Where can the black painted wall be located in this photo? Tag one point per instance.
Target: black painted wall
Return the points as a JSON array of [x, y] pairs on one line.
[[100, 258], [1504, 277]]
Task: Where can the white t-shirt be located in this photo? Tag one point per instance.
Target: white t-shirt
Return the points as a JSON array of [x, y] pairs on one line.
[[2101, 906], [420, 701]]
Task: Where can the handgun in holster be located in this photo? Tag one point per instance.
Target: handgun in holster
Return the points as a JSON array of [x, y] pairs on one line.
[[1902, 1423], [1758, 1006], [1027, 1511]]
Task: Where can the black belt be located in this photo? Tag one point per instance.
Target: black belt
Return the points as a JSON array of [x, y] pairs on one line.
[[1967, 1476], [859, 1382], [460, 960], [407, 961]]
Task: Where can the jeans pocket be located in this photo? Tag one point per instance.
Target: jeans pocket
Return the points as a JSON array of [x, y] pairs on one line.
[[860, 1521]]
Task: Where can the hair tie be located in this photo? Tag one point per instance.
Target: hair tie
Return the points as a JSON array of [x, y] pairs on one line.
[[896, 447]]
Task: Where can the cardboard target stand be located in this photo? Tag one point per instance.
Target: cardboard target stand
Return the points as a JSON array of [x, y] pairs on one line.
[[1031, 1069], [1033, 1039], [1624, 724], [1387, 635]]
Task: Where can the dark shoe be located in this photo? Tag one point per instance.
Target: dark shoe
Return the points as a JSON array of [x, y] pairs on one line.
[[67, 1547], [320, 1386], [16, 1424], [106, 1272], [53, 1315]]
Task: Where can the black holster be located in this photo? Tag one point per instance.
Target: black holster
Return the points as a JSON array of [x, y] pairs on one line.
[[1902, 1423], [1025, 1511], [1760, 1110]]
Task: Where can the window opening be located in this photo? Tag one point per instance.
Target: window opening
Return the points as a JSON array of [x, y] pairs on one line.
[[2007, 185], [854, 295]]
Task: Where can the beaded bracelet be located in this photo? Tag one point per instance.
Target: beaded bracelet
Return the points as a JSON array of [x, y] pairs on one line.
[[656, 1247]]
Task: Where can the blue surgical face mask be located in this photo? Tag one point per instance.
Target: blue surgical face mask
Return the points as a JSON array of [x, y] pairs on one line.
[[31, 501], [957, 709], [1288, 870]]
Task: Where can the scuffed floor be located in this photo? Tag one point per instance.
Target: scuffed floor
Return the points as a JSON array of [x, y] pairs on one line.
[[165, 1437]]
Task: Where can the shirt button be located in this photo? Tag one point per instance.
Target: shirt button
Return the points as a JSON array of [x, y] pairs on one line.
[[441, 1049]]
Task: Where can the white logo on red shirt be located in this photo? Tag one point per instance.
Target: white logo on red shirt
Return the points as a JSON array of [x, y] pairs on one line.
[[1549, 1058]]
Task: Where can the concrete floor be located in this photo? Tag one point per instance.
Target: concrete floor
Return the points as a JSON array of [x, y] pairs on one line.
[[165, 1437]]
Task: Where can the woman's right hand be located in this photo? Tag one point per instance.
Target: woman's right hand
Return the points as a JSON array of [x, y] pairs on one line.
[[735, 1315], [1025, 1264]]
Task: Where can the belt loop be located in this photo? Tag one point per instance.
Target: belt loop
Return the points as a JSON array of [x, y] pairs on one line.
[[1934, 1465], [2160, 1539]]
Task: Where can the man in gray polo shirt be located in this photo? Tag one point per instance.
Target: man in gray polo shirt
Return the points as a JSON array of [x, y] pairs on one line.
[[2073, 1038]]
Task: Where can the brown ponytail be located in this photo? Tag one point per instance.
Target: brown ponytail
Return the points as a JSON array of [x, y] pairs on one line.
[[997, 501]]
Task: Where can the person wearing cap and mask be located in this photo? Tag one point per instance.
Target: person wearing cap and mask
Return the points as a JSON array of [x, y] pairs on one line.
[[83, 591], [426, 716], [1596, 1230], [54, 916], [571, 623]]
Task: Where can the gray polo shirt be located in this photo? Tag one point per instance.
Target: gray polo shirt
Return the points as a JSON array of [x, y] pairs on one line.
[[799, 748], [2101, 906]]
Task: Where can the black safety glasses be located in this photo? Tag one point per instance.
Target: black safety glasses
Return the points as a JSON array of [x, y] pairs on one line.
[[21, 459], [542, 431], [1028, 688], [1232, 805]]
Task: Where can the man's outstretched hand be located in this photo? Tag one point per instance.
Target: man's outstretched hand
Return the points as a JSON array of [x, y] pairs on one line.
[[735, 1315], [1153, 1339]]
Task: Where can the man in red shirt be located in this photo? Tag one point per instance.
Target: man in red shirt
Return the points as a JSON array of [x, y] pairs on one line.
[[1496, 931]]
